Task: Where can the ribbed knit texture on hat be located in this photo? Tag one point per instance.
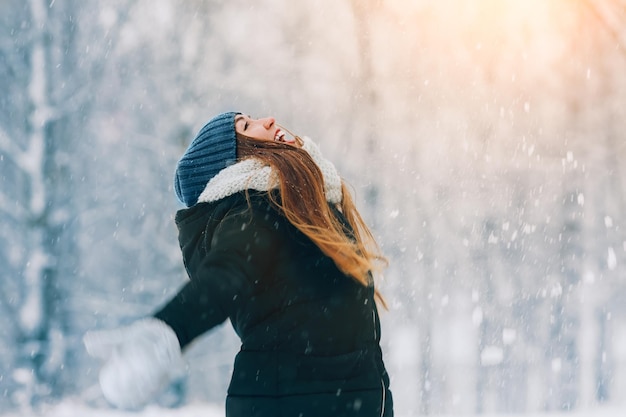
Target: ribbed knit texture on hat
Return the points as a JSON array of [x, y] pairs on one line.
[[213, 149]]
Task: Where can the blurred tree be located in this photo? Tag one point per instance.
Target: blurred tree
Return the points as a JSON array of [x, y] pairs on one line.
[[365, 116], [49, 72], [39, 109]]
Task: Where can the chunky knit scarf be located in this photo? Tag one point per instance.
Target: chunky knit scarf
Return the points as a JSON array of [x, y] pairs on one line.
[[252, 174]]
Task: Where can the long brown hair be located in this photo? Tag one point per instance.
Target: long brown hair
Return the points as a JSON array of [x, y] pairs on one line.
[[303, 202]]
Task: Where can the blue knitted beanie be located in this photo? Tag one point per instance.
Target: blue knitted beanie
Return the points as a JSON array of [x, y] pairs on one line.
[[213, 149]]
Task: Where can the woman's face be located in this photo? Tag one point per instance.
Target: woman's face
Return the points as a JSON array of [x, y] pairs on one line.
[[261, 129]]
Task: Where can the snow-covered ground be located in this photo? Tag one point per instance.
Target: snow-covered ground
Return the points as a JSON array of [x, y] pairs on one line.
[[72, 409]]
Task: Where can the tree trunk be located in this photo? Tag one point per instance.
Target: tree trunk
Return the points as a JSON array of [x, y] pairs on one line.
[[366, 102]]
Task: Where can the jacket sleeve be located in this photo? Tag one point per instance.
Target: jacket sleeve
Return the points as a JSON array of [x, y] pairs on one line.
[[241, 251]]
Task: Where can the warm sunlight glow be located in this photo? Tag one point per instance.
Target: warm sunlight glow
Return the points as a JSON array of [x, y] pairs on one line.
[[485, 15], [499, 38]]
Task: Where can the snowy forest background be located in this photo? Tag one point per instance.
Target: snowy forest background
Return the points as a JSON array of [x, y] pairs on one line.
[[484, 140]]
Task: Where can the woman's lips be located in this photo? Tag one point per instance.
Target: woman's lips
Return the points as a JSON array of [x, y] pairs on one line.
[[280, 136]]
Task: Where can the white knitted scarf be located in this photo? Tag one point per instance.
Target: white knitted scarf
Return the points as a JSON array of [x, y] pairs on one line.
[[252, 174]]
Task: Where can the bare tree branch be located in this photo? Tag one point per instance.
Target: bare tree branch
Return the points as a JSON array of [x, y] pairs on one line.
[[12, 209], [600, 15], [8, 147], [8, 308], [82, 93]]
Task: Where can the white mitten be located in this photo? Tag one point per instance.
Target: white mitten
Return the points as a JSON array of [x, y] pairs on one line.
[[140, 360]]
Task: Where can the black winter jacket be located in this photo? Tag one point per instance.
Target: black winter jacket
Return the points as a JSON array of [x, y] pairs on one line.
[[310, 335]]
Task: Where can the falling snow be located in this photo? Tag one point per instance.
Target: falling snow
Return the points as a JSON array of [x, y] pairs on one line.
[[483, 143]]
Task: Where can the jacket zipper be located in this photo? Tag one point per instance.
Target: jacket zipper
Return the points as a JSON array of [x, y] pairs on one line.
[[382, 404], [382, 383], [374, 321]]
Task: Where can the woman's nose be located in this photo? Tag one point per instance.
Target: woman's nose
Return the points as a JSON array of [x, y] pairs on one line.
[[268, 122]]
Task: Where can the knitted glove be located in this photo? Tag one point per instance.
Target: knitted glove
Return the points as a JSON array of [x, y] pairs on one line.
[[140, 360]]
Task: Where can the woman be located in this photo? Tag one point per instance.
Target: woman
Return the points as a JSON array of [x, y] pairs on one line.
[[272, 241]]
